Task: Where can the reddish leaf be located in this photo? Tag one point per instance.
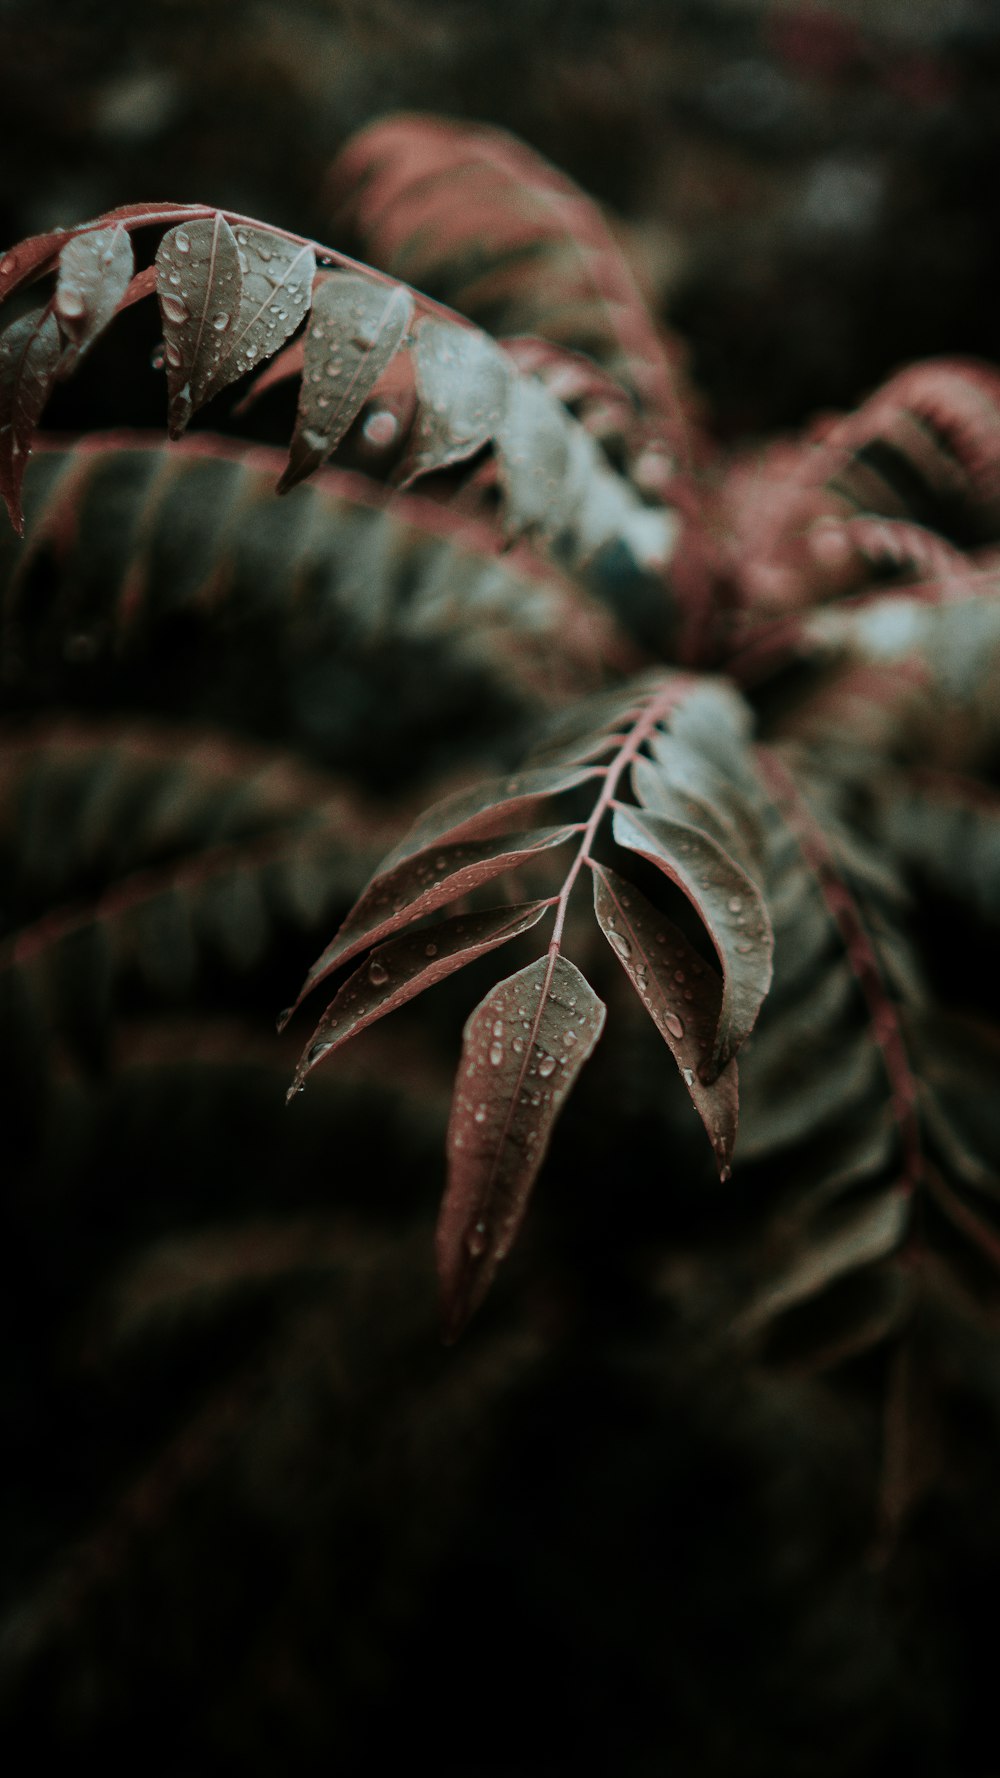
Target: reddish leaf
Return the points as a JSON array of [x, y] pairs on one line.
[[463, 381], [200, 285], [30, 351], [472, 814], [428, 880], [398, 971], [522, 1050], [357, 326], [682, 995], [142, 285], [94, 274], [730, 906]]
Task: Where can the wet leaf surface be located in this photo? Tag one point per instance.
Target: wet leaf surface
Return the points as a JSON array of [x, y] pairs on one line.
[[356, 327], [522, 1050]]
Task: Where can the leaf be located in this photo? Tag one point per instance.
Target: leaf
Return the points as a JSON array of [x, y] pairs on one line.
[[847, 1239], [656, 794], [423, 882], [682, 995], [357, 326], [522, 1050], [730, 906], [30, 351], [471, 814], [483, 222], [199, 285], [463, 381], [94, 274], [396, 972], [275, 296]]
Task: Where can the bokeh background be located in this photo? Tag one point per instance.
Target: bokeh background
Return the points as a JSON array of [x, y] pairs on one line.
[[254, 1516]]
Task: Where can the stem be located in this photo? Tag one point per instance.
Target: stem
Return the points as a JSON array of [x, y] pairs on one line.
[[640, 732]]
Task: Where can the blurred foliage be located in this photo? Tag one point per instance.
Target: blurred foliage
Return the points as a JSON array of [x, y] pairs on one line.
[[253, 1514]]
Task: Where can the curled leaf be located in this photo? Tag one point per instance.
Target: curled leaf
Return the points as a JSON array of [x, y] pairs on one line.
[[730, 906], [357, 326], [522, 1050], [200, 286], [681, 993], [396, 972]]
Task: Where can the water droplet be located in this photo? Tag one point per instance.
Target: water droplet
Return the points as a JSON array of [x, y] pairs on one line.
[[678, 975], [569, 1037], [546, 1066], [517, 1046], [8, 264], [725, 1174], [172, 355], [173, 308], [378, 975], [430, 950], [479, 1116], [498, 1028], [380, 429], [734, 904], [316, 1050], [475, 1240], [496, 1054], [221, 320], [182, 241], [674, 1025], [744, 949], [620, 944], [70, 302], [241, 236], [157, 357], [688, 1074]]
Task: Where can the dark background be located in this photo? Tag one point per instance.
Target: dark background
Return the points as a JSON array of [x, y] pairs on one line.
[[254, 1515]]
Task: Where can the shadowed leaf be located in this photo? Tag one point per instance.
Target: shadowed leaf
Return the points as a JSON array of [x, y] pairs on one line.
[[682, 995], [356, 327], [471, 814], [30, 350], [427, 880], [406, 966], [730, 906], [522, 1050]]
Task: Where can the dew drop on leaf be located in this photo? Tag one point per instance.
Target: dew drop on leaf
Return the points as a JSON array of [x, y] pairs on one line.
[[158, 357], [221, 320], [182, 241], [619, 943], [546, 1066], [70, 302], [496, 1054], [674, 1025], [430, 950], [378, 975], [174, 308]]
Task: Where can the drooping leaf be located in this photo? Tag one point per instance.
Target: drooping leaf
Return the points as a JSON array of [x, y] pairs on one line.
[[681, 993], [729, 904], [356, 327], [396, 972], [522, 1050], [846, 1240], [200, 288], [94, 274], [423, 882], [30, 351], [463, 381]]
